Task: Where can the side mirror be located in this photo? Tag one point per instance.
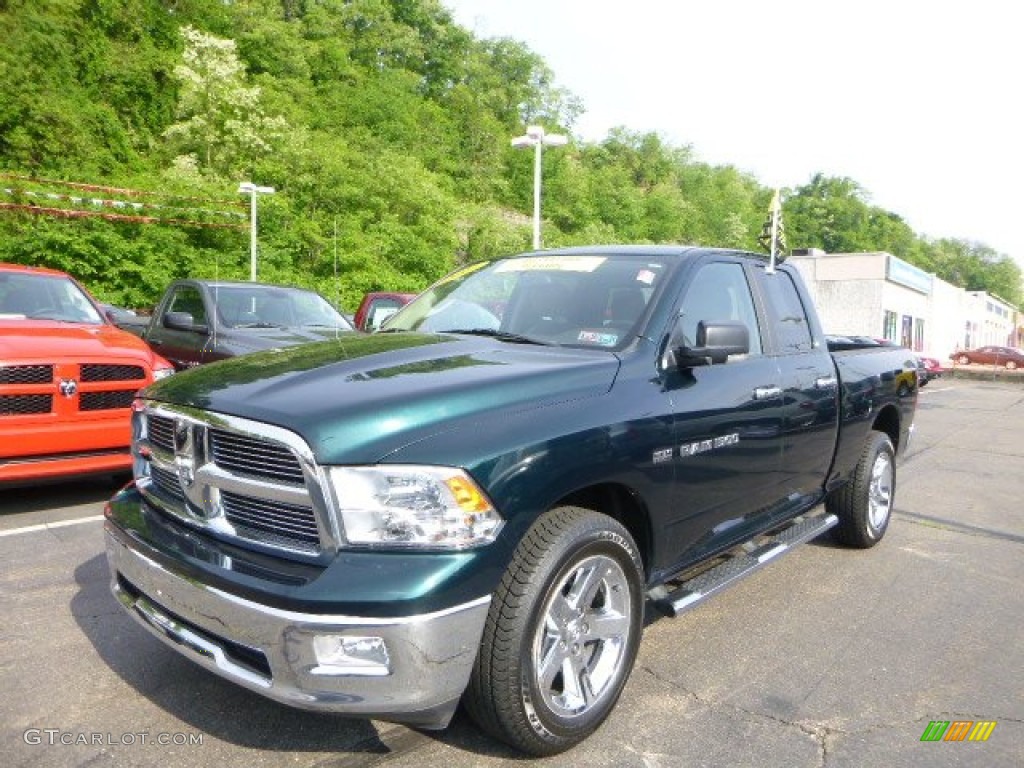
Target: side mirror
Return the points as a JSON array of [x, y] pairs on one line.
[[715, 342], [182, 321]]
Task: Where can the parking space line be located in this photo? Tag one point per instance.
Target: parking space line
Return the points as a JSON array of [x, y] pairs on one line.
[[48, 526]]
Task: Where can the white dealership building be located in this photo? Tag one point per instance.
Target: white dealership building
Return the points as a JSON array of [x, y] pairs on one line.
[[879, 295]]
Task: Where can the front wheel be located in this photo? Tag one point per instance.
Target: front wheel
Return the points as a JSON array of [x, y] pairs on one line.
[[864, 504], [964, 360], [562, 633]]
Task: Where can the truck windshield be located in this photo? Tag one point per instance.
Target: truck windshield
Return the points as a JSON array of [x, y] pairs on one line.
[[575, 300], [45, 297], [262, 306]]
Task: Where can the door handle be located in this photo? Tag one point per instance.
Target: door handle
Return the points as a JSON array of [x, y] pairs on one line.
[[766, 393], [825, 382]]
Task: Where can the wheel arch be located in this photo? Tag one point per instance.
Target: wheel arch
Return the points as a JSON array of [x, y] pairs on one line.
[[888, 422], [622, 504]]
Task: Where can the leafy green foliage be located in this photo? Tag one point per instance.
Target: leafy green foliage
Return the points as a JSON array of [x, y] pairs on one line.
[[383, 126]]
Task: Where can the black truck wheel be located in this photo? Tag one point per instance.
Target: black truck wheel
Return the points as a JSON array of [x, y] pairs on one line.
[[562, 633], [864, 504]]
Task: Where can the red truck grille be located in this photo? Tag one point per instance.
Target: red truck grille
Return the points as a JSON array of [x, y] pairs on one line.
[[104, 401], [102, 372], [66, 389], [21, 405], [26, 374]]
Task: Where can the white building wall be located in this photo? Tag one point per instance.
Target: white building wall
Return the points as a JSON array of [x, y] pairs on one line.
[[853, 292], [851, 307], [995, 319], [948, 316]]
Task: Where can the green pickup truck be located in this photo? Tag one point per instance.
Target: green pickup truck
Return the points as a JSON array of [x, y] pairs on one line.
[[477, 503]]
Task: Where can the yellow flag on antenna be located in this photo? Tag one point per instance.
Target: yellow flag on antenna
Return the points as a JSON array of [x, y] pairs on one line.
[[773, 233]]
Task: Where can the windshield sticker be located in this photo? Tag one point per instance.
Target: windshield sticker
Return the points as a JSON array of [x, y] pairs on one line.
[[598, 337], [552, 264], [645, 276]]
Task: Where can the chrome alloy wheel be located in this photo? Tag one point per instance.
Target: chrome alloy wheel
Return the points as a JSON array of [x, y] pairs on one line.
[[580, 644], [880, 491]]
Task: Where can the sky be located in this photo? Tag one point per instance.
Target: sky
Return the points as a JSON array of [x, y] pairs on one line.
[[918, 102]]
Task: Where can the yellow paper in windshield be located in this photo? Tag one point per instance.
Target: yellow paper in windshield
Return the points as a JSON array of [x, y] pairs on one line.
[[461, 273], [552, 264]]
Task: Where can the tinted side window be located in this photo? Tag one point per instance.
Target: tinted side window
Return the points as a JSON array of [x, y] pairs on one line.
[[719, 291], [187, 299], [791, 327]]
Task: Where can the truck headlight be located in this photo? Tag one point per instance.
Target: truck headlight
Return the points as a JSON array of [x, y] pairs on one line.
[[413, 506]]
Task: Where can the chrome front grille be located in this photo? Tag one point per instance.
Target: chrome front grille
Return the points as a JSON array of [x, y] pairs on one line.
[[287, 522], [161, 432], [167, 483], [26, 374], [255, 457], [235, 478]]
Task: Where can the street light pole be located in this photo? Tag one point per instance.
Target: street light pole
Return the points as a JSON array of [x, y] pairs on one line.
[[248, 188], [536, 137]]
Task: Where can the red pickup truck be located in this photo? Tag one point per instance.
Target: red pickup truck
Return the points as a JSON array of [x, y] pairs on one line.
[[378, 306], [67, 379]]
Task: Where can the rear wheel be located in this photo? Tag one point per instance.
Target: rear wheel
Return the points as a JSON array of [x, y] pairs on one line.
[[864, 504], [1011, 365], [562, 633]]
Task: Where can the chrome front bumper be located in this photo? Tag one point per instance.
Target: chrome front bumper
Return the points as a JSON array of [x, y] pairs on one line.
[[271, 651]]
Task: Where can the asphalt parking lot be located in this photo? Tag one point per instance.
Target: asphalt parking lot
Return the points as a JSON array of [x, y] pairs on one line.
[[828, 657]]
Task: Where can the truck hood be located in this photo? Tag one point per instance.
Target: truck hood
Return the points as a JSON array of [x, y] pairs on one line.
[[357, 399], [257, 339], [49, 341]]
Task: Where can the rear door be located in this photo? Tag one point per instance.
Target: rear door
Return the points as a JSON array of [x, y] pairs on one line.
[[809, 383]]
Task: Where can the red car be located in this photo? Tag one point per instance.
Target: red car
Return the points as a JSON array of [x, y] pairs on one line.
[[928, 368], [68, 377], [1009, 357], [378, 306]]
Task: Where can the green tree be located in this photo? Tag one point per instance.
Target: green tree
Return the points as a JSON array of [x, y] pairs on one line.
[[222, 124]]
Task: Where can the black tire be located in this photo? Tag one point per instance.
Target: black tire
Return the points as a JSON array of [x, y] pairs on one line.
[[864, 504], [573, 569], [1011, 365], [964, 360]]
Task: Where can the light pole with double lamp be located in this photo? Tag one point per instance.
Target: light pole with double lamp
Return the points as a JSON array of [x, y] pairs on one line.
[[536, 137], [248, 188]]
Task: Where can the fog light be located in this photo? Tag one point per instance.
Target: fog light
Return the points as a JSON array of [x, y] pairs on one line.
[[350, 655]]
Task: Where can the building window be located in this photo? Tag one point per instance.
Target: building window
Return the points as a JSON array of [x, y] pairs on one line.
[[889, 326], [919, 334], [907, 333]]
